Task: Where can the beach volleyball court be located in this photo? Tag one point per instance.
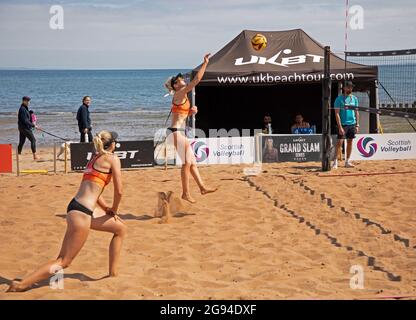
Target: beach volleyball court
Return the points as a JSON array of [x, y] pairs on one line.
[[284, 234]]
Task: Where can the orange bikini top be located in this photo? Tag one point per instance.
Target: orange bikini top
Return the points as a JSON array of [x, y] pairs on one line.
[[183, 108], [92, 174]]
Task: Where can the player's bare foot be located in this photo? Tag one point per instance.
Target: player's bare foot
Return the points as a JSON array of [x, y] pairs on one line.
[[15, 286], [349, 164], [208, 190], [187, 197], [36, 158]]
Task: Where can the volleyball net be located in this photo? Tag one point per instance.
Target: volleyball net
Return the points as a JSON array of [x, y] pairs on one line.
[[396, 76]]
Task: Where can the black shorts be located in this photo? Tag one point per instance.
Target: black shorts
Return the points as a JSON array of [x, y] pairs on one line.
[[349, 132]]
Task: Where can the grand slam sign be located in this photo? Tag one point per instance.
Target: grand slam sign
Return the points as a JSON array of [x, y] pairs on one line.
[[291, 148]]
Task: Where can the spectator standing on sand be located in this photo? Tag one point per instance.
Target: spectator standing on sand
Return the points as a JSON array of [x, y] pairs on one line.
[[347, 117], [84, 120], [25, 127]]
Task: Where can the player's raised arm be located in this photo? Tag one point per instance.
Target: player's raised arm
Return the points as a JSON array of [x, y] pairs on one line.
[[199, 75]]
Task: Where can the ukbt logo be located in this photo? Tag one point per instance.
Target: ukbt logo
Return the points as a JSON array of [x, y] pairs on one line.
[[283, 62]]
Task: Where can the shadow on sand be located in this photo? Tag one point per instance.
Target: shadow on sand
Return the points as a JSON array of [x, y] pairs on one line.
[[46, 283], [144, 217]]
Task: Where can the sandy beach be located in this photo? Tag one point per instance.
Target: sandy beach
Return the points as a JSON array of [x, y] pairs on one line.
[[289, 233]]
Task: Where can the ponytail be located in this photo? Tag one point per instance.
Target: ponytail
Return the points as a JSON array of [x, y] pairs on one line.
[[168, 85], [102, 141]]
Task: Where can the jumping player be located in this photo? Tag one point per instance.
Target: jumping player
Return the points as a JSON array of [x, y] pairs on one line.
[[181, 109]]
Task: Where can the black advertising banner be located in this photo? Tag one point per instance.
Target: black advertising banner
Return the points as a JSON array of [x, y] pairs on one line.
[[291, 148], [80, 155], [133, 154]]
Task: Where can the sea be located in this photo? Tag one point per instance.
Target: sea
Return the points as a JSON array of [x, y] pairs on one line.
[[130, 102]]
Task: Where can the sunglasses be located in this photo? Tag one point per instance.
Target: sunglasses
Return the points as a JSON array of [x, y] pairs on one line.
[[108, 144], [177, 78], [115, 140]]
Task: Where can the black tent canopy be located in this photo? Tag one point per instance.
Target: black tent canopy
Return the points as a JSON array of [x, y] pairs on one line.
[[241, 84]]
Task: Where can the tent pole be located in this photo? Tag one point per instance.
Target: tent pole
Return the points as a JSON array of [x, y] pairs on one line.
[[193, 116], [259, 146], [326, 116]]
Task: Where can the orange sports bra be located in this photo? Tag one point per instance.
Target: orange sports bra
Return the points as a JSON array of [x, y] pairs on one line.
[[92, 174], [183, 108]]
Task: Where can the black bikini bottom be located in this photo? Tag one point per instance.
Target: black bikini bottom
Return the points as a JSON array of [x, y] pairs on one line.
[[75, 205], [172, 130]]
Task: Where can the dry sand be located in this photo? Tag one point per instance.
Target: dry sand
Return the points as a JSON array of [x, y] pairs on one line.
[[288, 233]]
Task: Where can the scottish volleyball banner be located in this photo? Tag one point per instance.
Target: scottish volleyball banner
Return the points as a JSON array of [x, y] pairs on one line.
[[226, 150], [384, 146]]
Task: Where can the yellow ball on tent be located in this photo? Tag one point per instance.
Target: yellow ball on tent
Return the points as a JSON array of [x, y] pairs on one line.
[[259, 42]]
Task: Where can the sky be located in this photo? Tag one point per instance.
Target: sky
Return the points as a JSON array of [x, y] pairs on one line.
[[157, 34]]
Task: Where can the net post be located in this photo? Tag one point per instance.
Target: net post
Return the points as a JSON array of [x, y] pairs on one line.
[[326, 116], [345, 150], [339, 154], [377, 102]]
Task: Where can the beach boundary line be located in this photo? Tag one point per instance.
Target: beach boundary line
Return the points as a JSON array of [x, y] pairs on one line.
[[328, 201], [372, 261], [364, 174]]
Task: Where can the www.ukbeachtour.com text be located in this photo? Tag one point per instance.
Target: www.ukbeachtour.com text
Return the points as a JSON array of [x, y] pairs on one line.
[[295, 77]]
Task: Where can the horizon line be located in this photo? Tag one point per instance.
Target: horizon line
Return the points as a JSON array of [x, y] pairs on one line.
[[84, 69]]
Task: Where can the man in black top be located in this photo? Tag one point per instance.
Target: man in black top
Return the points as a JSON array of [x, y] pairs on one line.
[[25, 126], [84, 120], [267, 124]]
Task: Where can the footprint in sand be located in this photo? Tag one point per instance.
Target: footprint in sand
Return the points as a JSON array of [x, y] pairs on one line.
[[6, 223]]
